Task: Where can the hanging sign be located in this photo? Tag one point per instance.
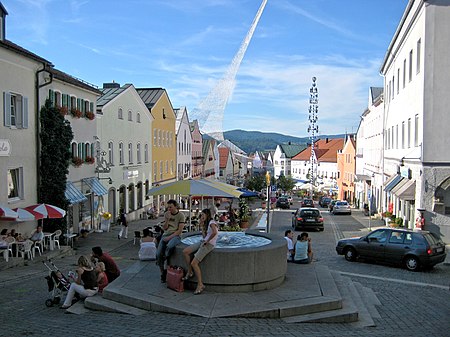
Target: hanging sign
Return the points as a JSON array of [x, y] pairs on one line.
[[5, 147]]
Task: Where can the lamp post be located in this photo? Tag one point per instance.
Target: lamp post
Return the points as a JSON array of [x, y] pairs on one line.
[[268, 200], [313, 128], [370, 201]]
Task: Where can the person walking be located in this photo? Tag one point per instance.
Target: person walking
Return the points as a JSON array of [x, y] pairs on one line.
[[173, 227], [201, 248], [124, 225]]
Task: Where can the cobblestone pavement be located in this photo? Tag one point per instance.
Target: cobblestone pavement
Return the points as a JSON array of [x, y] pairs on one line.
[[407, 309]]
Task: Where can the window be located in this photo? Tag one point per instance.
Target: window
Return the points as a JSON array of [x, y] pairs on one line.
[[159, 138], [74, 150], [396, 136], [155, 170], [15, 183], [130, 115], [398, 80], [138, 153], [167, 166], [419, 43], [403, 135], [121, 156], [130, 153], [409, 133], [111, 153], [393, 87], [138, 117], [416, 130], [404, 73], [16, 111], [146, 153], [161, 168], [155, 137], [410, 64], [120, 113]]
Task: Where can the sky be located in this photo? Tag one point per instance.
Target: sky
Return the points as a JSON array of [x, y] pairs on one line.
[[186, 46]]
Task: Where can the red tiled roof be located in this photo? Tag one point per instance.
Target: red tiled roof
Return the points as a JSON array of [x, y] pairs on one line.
[[223, 156], [326, 150]]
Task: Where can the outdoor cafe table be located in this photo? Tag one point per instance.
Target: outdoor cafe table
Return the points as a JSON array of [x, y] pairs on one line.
[[48, 239]]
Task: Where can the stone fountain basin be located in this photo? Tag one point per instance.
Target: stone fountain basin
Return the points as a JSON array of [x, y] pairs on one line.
[[240, 269]]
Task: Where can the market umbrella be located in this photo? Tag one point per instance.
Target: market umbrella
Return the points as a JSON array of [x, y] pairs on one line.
[[191, 187], [27, 214], [247, 193], [47, 211], [7, 212]]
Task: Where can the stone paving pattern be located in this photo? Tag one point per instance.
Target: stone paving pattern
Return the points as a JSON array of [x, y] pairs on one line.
[[407, 310]]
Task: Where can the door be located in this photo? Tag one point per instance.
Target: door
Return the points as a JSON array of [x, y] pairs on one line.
[[374, 245]]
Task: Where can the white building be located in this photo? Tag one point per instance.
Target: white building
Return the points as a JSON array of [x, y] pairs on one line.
[[124, 128], [369, 152], [184, 144], [282, 158], [416, 72]]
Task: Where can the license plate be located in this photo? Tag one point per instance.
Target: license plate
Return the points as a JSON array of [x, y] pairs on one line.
[[440, 250], [310, 220]]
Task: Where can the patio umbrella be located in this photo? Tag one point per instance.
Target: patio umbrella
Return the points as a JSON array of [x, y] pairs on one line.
[[27, 214], [190, 187], [247, 193], [7, 212], [47, 211]]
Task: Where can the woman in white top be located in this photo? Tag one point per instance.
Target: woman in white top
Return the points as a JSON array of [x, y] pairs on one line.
[[201, 249], [303, 250], [147, 252]]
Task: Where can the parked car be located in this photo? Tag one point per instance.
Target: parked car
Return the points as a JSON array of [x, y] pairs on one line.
[[342, 207], [307, 203], [307, 218], [395, 246], [331, 205], [289, 198], [324, 201], [283, 202]]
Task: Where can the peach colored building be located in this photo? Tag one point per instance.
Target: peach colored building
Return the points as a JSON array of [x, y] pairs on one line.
[[346, 164]]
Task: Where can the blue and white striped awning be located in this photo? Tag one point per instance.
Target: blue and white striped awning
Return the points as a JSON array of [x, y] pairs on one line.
[[73, 194], [392, 182], [95, 186]]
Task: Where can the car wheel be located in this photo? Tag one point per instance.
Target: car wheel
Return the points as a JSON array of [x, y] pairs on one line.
[[412, 263], [350, 254]]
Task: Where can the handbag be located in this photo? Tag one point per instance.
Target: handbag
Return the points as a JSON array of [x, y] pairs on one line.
[[174, 278]]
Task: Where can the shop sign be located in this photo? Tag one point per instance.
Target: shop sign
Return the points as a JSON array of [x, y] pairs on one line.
[[131, 174], [5, 147]]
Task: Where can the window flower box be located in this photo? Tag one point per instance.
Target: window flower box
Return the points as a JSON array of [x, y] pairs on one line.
[[76, 113], [77, 161], [90, 160], [89, 115], [63, 110]]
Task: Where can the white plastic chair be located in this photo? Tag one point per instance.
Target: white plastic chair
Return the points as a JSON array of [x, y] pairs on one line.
[[39, 246], [27, 250], [56, 236], [8, 249]]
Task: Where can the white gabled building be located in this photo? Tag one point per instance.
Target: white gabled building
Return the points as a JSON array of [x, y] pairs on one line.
[[184, 144], [369, 152], [124, 129], [282, 158]]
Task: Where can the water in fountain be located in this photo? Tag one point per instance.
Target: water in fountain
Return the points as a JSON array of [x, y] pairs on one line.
[[232, 240]]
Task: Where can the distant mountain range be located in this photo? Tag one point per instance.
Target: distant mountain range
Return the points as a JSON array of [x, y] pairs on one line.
[[251, 141]]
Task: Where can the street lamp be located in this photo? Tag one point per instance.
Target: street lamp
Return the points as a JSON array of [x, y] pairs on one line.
[[370, 201], [268, 200]]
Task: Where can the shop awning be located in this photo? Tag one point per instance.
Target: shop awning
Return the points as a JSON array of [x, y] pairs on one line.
[[363, 177], [399, 186], [73, 194], [95, 186], [407, 191], [392, 182]]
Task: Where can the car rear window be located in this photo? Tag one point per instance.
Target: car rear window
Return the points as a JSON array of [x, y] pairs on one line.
[[431, 239], [342, 203], [310, 212]]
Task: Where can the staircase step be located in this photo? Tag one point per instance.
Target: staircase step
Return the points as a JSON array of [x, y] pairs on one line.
[[365, 319], [369, 298], [102, 304], [77, 309]]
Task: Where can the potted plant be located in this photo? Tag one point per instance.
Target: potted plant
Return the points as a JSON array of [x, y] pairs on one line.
[[63, 110], [244, 215], [89, 115], [90, 160], [76, 113]]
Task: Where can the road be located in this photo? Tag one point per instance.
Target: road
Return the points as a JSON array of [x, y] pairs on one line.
[[413, 304]]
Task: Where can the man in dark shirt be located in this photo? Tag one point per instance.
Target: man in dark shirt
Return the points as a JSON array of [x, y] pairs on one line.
[[111, 268]]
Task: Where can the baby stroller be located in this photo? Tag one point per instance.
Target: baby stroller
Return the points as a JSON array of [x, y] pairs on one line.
[[57, 284]]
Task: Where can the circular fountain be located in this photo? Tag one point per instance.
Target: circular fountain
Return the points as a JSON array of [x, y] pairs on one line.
[[241, 261]]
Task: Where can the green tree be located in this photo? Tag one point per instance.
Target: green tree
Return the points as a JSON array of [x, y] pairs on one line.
[[56, 136], [285, 183], [256, 183]]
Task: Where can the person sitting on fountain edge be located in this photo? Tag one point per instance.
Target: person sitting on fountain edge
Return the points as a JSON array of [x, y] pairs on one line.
[[173, 227], [288, 235]]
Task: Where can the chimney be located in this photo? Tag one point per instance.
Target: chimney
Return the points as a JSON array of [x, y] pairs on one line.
[[326, 142], [111, 85], [3, 14]]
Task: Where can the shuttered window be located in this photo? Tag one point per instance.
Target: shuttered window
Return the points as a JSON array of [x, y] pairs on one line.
[[15, 110]]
